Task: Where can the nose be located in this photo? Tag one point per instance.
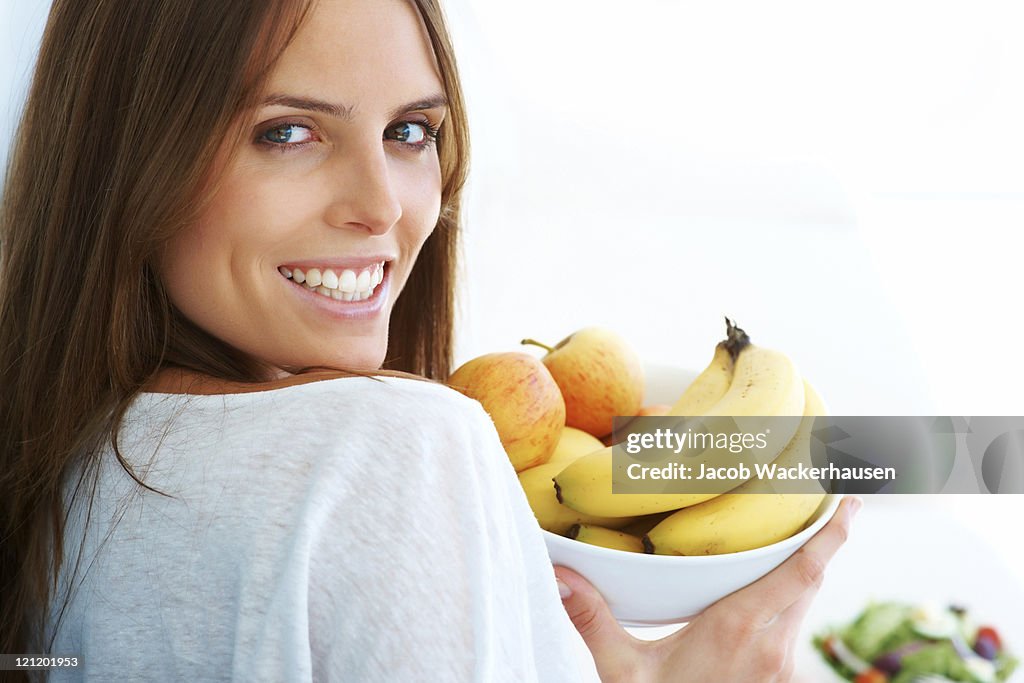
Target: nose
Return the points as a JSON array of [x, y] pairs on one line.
[[364, 196]]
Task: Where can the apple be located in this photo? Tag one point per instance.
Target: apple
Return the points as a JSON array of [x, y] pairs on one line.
[[600, 377], [523, 400]]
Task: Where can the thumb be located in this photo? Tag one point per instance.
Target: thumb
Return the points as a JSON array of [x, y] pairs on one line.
[[614, 649]]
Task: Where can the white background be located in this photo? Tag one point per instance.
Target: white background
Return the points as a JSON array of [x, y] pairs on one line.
[[843, 179]]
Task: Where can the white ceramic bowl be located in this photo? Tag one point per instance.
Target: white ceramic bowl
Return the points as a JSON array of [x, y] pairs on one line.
[[653, 590]]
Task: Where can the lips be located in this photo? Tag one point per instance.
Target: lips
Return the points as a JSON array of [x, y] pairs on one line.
[[362, 305]]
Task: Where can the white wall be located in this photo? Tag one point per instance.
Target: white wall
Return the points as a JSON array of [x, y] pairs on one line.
[[843, 179], [21, 26]]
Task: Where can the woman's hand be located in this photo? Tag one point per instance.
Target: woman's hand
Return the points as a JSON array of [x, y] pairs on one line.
[[746, 636]]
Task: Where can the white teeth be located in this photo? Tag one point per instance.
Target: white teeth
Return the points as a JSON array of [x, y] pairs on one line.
[[330, 279], [346, 286], [348, 281]]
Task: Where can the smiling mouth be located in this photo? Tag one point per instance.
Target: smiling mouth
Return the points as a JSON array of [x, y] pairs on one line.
[[340, 284]]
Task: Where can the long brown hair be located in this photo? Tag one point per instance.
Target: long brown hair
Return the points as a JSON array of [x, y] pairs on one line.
[[99, 178]]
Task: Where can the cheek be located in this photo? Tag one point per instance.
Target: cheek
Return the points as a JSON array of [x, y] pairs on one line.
[[248, 215], [185, 260], [223, 244], [422, 203]]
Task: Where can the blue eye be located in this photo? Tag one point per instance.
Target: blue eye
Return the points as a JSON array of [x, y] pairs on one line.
[[412, 133], [286, 134]]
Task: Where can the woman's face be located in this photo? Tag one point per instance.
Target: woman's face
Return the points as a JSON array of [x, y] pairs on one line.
[[319, 216]]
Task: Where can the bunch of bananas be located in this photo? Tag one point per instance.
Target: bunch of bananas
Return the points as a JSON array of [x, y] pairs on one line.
[[573, 495]]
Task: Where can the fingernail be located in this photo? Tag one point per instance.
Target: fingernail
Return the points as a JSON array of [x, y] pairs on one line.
[[855, 505], [563, 589]]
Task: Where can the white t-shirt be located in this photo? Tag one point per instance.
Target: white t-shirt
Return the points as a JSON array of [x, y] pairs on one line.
[[352, 529]]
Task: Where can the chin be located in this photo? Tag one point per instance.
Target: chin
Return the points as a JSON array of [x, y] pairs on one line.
[[361, 361], [357, 358]]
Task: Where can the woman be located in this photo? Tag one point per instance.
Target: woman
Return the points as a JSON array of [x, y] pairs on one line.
[[220, 220]]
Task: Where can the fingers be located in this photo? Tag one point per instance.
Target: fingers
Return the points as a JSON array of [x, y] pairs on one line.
[[787, 630], [787, 626], [614, 650], [791, 618], [762, 602]]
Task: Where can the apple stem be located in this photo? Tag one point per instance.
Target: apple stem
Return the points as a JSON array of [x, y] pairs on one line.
[[534, 342]]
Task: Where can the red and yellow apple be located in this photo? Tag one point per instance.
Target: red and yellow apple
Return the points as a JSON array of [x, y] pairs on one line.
[[523, 400], [600, 377]]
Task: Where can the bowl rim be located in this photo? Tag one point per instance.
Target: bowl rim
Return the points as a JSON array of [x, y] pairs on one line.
[[825, 511]]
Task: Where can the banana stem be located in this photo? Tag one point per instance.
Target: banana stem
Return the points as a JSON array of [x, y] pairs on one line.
[[736, 339], [534, 342]]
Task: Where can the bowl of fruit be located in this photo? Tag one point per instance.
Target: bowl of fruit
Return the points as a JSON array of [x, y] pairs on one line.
[[657, 558], [644, 589]]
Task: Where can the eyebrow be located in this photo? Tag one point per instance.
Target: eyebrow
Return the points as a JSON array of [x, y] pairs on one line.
[[345, 112]]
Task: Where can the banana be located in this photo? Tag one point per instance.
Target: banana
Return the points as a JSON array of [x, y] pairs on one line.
[[747, 517], [645, 523], [586, 486], [799, 449], [551, 514], [710, 385], [763, 383], [606, 538], [572, 444], [704, 391]]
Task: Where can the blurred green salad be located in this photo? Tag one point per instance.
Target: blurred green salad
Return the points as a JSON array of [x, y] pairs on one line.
[[897, 643]]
